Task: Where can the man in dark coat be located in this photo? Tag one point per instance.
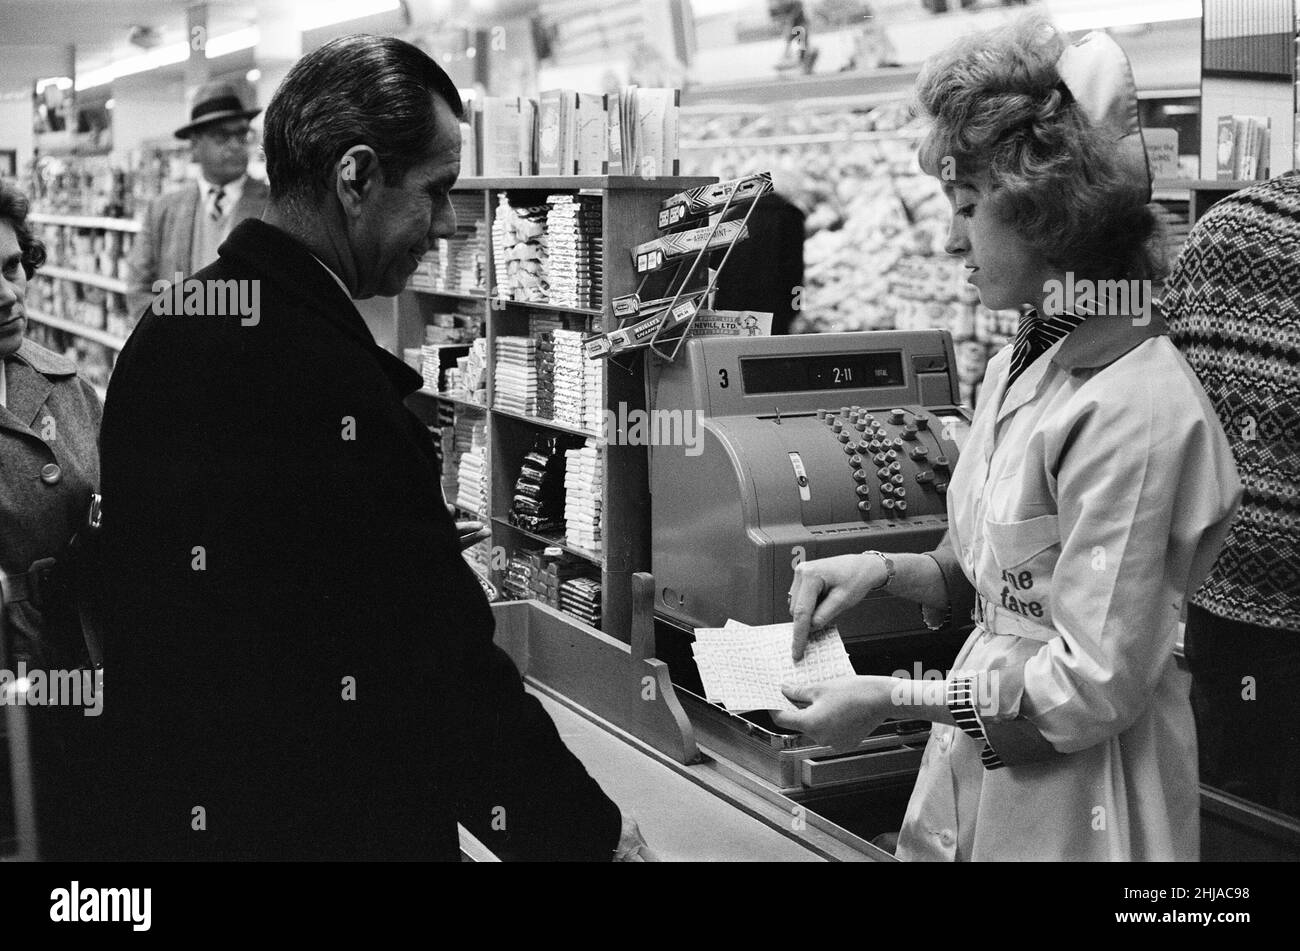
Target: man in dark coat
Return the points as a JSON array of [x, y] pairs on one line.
[[302, 664]]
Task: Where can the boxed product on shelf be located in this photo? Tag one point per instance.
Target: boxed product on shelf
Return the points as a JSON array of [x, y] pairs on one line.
[[436, 359], [710, 199], [579, 400], [538, 501], [581, 598], [515, 375], [584, 469], [574, 250]]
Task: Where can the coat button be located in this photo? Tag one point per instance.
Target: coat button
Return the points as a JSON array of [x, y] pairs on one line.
[[51, 474], [947, 838]]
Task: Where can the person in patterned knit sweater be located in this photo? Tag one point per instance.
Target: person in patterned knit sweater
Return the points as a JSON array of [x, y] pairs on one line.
[[1232, 309]]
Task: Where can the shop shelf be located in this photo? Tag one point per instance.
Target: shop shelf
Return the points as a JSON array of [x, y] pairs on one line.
[[129, 225], [548, 423], [117, 285], [81, 330], [591, 556]]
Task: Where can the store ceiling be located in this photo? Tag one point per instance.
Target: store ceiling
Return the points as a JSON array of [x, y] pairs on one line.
[[34, 34]]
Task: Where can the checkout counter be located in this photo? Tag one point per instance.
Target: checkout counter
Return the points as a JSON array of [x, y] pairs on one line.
[[808, 447], [811, 446]]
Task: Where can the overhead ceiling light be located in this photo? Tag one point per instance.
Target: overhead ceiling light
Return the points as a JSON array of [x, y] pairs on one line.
[[324, 13], [168, 55], [61, 82]]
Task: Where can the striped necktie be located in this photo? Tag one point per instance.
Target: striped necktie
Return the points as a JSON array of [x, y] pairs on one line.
[[1035, 335], [217, 194]]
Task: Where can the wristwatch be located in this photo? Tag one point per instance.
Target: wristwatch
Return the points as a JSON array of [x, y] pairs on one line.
[[890, 571]]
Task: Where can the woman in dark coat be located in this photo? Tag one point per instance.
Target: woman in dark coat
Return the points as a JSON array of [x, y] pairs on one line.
[[49, 462]]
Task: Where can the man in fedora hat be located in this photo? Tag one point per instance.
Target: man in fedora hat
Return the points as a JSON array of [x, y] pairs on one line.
[[183, 229]]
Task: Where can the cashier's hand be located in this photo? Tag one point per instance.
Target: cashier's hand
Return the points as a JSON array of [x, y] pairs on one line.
[[840, 712], [470, 532], [631, 846], [825, 588]]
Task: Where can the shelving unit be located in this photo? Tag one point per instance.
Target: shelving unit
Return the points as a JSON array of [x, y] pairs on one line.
[[77, 302], [629, 210], [1205, 192], [81, 330]]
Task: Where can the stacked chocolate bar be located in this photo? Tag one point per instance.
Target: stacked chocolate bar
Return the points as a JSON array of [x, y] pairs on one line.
[[538, 503], [578, 391], [580, 597], [575, 250], [583, 479], [516, 375]]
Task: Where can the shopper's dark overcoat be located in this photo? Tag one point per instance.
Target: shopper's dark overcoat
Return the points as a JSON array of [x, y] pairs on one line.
[[303, 664]]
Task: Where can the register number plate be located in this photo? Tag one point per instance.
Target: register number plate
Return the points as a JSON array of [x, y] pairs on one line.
[[844, 371]]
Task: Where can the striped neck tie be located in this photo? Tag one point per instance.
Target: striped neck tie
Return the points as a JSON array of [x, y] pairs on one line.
[[217, 193], [1035, 335]]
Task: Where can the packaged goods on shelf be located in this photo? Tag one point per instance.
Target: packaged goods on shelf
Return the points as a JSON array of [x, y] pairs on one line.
[[436, 360], [461, 326], [90, 185], [574, 250], [580, 597], [519, 252], [471, 376], [538, 501], [545, 374], [470, 451], [516, 375], [457, 264], [710, 199], [583, 474], [579, 400]]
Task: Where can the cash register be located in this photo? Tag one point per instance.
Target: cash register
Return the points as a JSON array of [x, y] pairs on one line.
[[808, 446], [812, 446]]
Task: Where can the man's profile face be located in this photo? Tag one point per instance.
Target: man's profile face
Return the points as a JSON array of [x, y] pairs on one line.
[[402, 220], [221, 149]]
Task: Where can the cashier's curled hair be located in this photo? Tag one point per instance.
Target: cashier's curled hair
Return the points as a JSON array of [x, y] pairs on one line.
[[354, 90], [997, 104], [13, 211]]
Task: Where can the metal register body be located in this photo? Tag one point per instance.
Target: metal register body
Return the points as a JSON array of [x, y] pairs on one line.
[[776, 479]]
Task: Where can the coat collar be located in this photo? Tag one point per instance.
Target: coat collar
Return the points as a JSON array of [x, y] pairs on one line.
[[1097, 341], [31, 374], [1100, 340], [299, 274]]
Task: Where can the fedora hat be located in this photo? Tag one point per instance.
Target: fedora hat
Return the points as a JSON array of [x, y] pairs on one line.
[[212, 103]]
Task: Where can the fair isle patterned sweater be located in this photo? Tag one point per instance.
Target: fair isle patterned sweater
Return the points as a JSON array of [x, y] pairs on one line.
[[1233, 306]]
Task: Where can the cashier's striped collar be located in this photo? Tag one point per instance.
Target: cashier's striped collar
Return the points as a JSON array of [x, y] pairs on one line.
[[1035, 336]]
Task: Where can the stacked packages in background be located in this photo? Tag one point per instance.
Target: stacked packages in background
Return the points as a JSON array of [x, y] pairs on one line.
[[583, 475], [538, 502], [574, 250], [471, 471], [579, 400], [519, 252], [580, 598], [516, 375]]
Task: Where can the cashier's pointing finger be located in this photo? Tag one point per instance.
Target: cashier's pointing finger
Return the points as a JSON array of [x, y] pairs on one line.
[[838, 582]]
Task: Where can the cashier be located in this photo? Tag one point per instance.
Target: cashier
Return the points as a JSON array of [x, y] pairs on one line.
[[1092, 495]]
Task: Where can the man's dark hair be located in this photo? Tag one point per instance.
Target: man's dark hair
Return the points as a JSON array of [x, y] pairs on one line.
[[355, 90], [13, 209]]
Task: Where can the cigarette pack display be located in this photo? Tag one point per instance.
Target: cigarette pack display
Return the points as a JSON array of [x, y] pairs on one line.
[[708, 199], [654, 254]]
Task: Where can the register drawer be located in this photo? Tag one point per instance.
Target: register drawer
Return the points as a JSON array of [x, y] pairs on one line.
[[855, 767]]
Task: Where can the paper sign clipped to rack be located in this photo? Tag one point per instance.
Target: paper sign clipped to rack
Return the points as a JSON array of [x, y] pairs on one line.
[[743, 667]]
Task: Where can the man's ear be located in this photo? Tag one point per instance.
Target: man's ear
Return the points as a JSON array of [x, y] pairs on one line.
[[356, 177]]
